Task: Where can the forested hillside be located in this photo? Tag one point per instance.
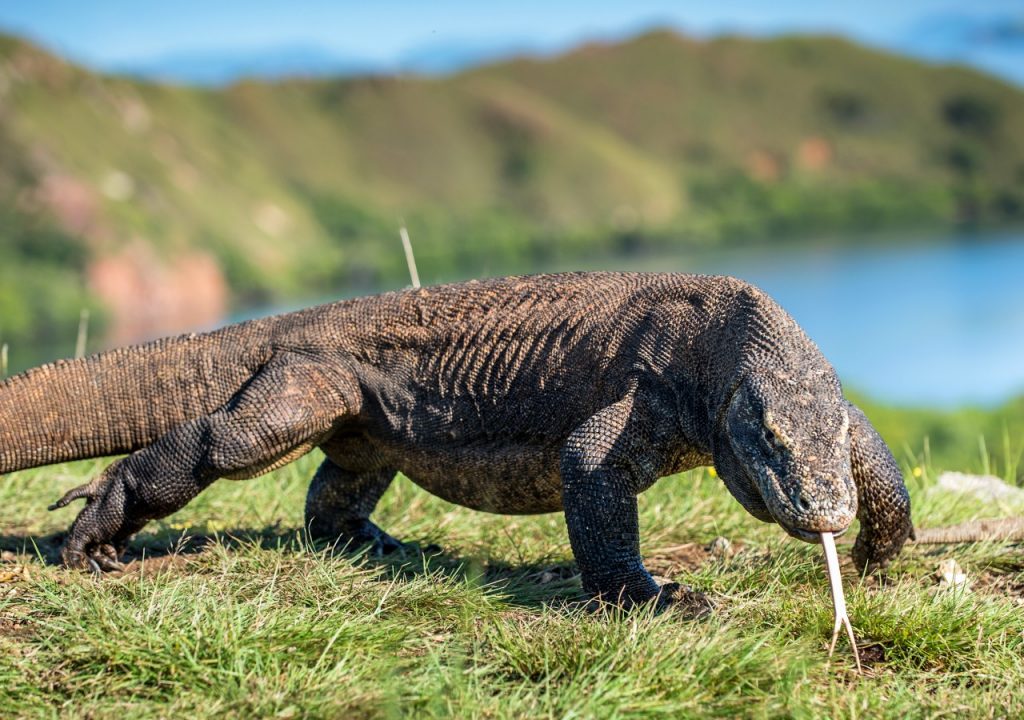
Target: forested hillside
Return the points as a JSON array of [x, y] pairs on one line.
[[165, 207]]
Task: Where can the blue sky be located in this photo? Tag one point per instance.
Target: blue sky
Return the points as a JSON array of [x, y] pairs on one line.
[[113, 33]]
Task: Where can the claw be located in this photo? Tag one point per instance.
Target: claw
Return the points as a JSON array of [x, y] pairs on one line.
[[364, 534], [106, 557], [688, 603], [101, 560], [87, 491]]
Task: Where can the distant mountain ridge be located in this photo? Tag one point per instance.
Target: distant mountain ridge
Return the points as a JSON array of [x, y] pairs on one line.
[[167, 205], [991, 42], [223, 67], [220, 67]]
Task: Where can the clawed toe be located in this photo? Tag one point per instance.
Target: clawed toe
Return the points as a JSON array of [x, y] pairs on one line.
[[87, 491], [691, 604], [402, 548], [99, 559], [384, 544], [107, 558], [76, 560], [671, 597], [381, 546]]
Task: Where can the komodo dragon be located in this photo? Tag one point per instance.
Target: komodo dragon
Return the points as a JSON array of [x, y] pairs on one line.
[[518, 395]]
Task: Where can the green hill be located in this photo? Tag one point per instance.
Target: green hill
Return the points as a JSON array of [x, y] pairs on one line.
[[166, 206]]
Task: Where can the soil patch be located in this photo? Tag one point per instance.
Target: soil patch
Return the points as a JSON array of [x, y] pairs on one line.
[[15, 628], [688, 557], [1006, 585], [153, 566]]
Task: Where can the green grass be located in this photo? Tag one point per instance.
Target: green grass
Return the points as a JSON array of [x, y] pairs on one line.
[[248, 620]]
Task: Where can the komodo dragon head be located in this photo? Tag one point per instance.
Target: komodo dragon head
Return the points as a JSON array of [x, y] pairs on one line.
[[782, 448]]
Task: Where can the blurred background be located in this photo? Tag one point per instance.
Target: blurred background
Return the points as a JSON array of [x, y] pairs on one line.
[[173, 168]]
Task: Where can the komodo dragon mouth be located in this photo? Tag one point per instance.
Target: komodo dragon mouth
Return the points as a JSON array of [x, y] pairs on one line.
[[810, 537]]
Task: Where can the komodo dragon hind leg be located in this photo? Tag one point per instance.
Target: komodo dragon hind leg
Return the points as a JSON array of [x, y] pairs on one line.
[[339, 504], [282, 413]]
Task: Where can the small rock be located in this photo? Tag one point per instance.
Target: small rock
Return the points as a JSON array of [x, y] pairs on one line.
[[8, 557], [721, 548], [983, 487], [950, 574]]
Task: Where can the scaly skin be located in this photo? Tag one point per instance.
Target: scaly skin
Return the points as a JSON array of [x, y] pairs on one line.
[[518, 395]]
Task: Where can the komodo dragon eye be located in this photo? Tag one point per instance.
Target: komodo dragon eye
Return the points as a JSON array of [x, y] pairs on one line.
[[771, 441]]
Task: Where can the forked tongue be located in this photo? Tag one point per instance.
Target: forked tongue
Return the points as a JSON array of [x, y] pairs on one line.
[[835, 583]]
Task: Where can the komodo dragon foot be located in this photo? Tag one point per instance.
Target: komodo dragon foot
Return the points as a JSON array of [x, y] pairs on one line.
[[102, 529], [359, 534], [685, 601], [338, 508], [673, 597]]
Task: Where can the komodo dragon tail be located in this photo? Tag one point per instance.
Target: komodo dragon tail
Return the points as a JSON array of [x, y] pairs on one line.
[[119, 401]]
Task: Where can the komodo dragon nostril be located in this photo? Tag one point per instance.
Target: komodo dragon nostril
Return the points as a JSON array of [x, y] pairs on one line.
[[801, 501]]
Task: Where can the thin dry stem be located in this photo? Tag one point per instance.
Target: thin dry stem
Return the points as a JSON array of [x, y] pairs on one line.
[[409, 258], [83, 333]]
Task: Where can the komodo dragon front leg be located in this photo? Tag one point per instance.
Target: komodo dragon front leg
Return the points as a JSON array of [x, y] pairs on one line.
[[606, 463], [339, 504], [284, 411], [883, 505]]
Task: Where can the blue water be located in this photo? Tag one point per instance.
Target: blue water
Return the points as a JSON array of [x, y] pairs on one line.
[[937, 323]]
